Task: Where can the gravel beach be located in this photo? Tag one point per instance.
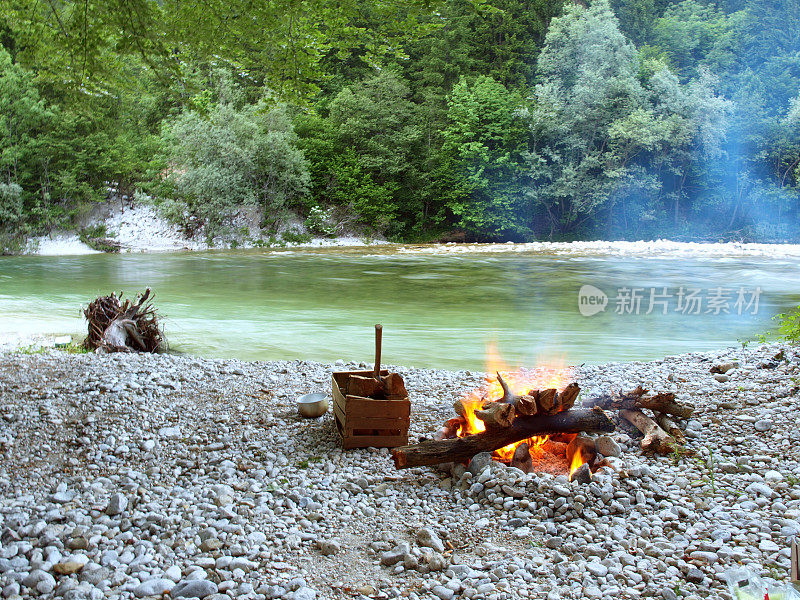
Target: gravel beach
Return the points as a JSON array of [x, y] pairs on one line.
[[136, 476]]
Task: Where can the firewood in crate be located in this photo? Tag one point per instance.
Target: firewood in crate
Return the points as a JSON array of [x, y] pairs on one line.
[[459, 449], [636, 399], [361, 385], [655, 439], [371, 408]]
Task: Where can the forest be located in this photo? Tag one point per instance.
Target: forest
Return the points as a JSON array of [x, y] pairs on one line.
[[480, 120]]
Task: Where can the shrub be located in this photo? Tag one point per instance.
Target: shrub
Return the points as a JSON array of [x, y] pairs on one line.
[[789, 328], [232, 157], [319, 222]]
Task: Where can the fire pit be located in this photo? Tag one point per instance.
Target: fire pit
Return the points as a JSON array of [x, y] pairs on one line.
[[528, 420]]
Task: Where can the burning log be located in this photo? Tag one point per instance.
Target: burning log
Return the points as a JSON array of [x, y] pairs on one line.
[[450, 428], [568, 396], [547, 401], [496, 414], [655, 438], [460, 449], [117, 326], [636, 399]]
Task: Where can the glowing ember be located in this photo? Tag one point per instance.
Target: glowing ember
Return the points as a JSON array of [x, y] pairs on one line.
[[549, 374]]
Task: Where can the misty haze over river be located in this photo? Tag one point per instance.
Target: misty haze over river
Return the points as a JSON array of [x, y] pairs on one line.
[[438, 309]]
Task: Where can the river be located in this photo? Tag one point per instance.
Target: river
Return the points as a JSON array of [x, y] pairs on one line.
[[438, 309]]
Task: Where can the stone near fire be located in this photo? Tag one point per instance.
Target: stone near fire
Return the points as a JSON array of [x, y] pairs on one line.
[[479, 462], [427, 537], [582, 474], [606, 446]]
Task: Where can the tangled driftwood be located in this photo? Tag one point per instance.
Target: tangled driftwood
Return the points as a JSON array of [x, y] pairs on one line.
[[123, 326]]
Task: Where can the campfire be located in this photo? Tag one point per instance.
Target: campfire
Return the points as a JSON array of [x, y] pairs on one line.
[[528, 420], [525, 419]]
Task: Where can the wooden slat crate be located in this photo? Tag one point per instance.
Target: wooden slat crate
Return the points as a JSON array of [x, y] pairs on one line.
[[364, 422]]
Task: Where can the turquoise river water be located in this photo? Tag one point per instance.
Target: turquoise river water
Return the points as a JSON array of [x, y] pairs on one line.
[[438, 310]]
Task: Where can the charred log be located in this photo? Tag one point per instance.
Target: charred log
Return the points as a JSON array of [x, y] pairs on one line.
[[523, 427]]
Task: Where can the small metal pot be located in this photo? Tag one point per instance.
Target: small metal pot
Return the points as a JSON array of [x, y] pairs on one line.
[[312, 405]]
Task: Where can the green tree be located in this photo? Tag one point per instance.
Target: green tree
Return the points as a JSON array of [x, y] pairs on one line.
[[376, 138], [484, 143], [233, 157], [587, 81], [24, 117]]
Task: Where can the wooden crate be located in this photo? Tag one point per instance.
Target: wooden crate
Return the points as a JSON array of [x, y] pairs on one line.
[[364, 422]]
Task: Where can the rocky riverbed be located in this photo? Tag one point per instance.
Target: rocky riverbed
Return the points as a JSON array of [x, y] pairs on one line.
[[129, 476]]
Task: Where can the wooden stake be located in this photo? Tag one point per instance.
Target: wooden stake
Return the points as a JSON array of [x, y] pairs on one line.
[[378, 336]]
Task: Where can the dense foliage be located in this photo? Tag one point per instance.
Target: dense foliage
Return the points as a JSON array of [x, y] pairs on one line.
[[463, 119]]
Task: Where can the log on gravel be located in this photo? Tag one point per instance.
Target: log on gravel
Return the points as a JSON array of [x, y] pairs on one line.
[[655, 439], [636, 399], [670, 427], [461, 449]]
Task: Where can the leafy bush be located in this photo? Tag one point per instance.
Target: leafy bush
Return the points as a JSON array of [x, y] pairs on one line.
[[789, 328], [232, 157], [319, 221], [96, 236], [292, 236]]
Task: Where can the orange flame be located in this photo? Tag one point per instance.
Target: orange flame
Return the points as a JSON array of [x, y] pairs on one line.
[[549, 374], [577, 461]]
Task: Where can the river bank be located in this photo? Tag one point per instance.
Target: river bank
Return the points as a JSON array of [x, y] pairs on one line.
[[133, 475], [140, 228]]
